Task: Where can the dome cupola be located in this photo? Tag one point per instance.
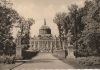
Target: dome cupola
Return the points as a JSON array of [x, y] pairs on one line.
[[45, 30]]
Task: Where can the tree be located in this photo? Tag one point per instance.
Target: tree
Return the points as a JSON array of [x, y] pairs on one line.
[[60, 21], [71, 21], [89, 41], [25, 31], [8, 17], [84, 24], [9, 46], [91, 20]]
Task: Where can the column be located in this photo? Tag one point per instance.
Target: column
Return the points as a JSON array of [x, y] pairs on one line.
[[48, 45], [51, 44], [63, 45], [34, 45], [45, 46], [30, 45], [38, 45], [41, 45], [55, 44]]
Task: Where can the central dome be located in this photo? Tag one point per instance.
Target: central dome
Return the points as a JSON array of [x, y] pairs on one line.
[[44, 27], [44, 30]]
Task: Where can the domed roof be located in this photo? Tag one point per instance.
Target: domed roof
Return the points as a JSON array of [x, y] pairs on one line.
[[44, 27], [45, 30]]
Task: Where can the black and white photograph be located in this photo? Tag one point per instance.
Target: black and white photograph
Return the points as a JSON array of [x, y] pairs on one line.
[[49, 34]]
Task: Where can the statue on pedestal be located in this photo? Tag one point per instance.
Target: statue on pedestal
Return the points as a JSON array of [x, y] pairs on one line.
[[18, 47], [70, 47]]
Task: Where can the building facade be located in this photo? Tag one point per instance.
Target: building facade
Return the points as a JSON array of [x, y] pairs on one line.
[[45, 41]]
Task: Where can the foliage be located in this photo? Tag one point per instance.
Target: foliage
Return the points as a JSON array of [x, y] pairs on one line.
[[72, 21], [9, 46], [91, 20], [8, 17], [29, 54], [25, 32], [89, 45], [84, 24], [60, 21], [7, 59], [91, 33], [87, 61]]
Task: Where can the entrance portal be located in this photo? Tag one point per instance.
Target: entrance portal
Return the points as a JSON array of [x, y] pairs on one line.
[[44, 46]]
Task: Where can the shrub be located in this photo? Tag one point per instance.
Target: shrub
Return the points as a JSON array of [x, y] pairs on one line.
[[7, 59], [29, 54], [89, 45], [88, 60]]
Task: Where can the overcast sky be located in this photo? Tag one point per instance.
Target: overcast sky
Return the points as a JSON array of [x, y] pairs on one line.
[[40, 9]]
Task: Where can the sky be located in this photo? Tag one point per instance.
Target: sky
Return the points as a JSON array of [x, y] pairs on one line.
[[43, 9]]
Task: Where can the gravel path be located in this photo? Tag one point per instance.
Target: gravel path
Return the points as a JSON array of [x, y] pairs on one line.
[[44, 61]]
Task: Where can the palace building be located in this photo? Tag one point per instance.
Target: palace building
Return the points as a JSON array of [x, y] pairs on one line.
[[45, 41]]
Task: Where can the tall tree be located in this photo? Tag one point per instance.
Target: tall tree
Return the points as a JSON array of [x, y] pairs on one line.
[[60, 21], [8, 17], [91, 33]]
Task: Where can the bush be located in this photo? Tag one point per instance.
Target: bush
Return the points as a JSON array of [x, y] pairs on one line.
[[29, 54], [7, 59], [88, 60], [88, 45]]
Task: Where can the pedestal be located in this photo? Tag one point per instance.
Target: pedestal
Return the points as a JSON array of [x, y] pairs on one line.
[[19, 52], [70, 50]]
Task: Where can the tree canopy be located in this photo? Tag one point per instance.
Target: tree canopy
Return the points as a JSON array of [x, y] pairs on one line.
[[8, 17], [84, 24]]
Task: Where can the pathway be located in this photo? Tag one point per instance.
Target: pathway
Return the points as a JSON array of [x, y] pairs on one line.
[[44, 61]]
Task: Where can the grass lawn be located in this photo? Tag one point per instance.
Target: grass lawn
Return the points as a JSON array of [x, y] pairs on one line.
[[74, 62]]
